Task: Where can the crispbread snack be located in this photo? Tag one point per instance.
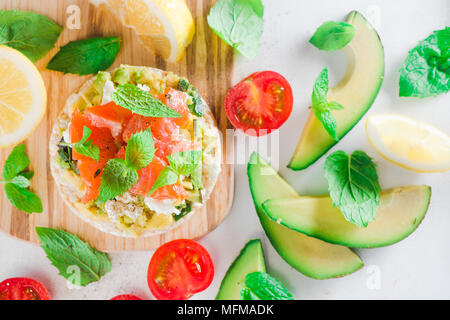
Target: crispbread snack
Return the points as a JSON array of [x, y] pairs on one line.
[[71, 186]]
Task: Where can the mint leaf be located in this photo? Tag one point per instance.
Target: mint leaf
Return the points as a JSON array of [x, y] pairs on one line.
[[184, 163], [140, 150], [84, 147], [426, 70], [261, 286], [20, 181], [117, 178], [353, 185], [141, 102], [166, 177], [23, 199], [16, 181], [69, 254], [331, 35], [32, 34], [239, 23], [17, 162], [321, 107], [87, 56]]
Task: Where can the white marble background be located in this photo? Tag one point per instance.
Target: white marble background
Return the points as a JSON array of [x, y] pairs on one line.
[[418, 267]]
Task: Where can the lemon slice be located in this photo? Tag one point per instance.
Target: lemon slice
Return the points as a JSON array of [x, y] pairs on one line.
[[408, 143], [165, 26], [23, 97]]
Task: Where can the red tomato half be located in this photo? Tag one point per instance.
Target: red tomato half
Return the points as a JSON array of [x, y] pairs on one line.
[[260, 103], [23, 289], [126, 297], [178, 269]]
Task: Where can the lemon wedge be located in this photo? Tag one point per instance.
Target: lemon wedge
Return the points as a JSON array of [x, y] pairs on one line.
[[165, 26], [408, 143], [23, 97]]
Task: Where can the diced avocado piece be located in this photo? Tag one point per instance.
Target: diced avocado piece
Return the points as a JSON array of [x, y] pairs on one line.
[[122, 76], [194, 196], [400, 212], [94, 94], [196, 106], [356, 92], [251, 259], [143, 76], [312, 257]]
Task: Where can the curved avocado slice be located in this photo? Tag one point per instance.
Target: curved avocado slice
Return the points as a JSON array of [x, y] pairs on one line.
[[400, 212], [312, 257], [251, 259], [356, 92]]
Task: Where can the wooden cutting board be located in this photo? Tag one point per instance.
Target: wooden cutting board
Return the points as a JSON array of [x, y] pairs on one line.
[[208, 65]]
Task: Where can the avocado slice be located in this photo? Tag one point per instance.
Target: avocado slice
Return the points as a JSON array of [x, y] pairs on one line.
[[400, 212], [251, 259], [356, 92], [312, 257]]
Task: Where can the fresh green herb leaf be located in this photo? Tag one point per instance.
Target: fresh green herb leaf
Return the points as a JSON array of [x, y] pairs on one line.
[[23, 199], [17, 162], [141, 102], [180, 164], [321, 107], [32, 34], [166, 177], [353, 185], [27, 174], [426, 70], [184, 163], [65, 154], [84, 147], [261, 286], [331, 36], [140, 150], [69, 254], [183, 85], [16, 182], [196, 107], [239, 23], [20, 181], [117, 178], [87, 56], [184, 208]]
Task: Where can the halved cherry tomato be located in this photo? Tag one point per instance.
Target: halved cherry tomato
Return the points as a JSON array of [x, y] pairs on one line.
[[178, 269], [260, 103], [23, 289], [126, 297]]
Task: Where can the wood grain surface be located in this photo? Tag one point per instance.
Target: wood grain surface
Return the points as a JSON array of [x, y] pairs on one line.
[[207, 64]]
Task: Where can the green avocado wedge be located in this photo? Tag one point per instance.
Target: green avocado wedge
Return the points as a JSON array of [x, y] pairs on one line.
[[312, 257], [251, 259], [356, 92], [400, 212]]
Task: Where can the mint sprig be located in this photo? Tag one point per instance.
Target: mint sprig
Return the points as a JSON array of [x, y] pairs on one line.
[[120, 175], [141, 102], [85, 147], [331, 36], [262, 286], [353, 185], [75, 259], [321, 107], [16, 181], [180, 164], [426, 70]]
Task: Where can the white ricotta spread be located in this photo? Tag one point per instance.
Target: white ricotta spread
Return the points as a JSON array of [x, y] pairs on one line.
[[116, 209], [143, 87], [108, 90], [166, 207]]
